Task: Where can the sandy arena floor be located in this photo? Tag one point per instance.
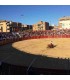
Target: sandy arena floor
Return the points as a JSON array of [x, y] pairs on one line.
[[39, 47]]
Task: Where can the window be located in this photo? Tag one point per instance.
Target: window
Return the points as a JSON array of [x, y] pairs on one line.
[[63, 24], [39, 24], [60, 24], [1, 24], [0, 27]]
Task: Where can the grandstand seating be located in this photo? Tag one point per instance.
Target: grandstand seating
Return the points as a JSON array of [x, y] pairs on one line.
[[6, 38]]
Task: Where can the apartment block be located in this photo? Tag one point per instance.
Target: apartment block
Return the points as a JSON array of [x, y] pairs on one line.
[[41, 26], [9, 26]]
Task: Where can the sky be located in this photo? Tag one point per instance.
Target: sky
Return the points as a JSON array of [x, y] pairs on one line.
[[31, 14]]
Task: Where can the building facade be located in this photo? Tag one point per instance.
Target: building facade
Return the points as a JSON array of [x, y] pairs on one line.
[[27, 27], [41, 26], [9, 26], [64, 23]]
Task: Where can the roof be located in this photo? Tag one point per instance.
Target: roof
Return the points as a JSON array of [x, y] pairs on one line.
[[9, 21], [64, 18], [3, 21]]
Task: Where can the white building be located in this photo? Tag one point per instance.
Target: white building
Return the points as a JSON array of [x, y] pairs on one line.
[[64, 22]]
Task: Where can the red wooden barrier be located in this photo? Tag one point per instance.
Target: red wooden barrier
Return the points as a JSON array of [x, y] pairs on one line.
[[6, 41]]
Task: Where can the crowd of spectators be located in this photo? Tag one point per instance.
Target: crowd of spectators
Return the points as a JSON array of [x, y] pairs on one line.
[[30, 34], [4, 36], [47, 33]]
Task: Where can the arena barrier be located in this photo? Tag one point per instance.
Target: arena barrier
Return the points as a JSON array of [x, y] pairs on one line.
[[6, 41], [53, 36]]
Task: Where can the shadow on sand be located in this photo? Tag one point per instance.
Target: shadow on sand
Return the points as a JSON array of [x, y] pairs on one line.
[[15, 62]]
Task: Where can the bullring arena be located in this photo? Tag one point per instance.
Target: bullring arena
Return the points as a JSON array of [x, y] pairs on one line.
[[39, 47], [28, 52]]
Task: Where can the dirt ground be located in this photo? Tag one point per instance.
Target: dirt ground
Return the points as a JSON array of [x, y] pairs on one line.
[[39, 47]]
